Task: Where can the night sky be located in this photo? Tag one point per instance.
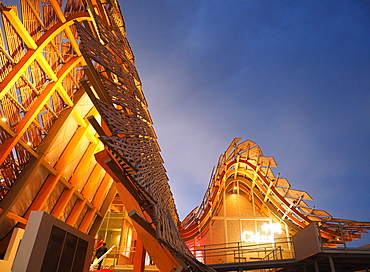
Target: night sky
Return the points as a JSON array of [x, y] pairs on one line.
[[292, 76]]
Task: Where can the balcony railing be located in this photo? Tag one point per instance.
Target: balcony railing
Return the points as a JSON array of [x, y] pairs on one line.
[[245, 252]]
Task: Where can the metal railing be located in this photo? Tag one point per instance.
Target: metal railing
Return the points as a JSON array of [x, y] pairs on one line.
[[275, 254], [96, 261], [245, 252]]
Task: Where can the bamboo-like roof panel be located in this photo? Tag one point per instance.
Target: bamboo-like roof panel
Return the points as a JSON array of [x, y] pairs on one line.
[[282, 182], [267, 161], [277, 191], [248, 144], [73, 7], [298, 194], [267, 171], [314, 212], [253, 152], [31, 18], [15, 45], [49, 16]]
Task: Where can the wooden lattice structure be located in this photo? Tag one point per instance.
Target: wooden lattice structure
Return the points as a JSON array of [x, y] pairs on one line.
[[132, 154], [245, 162], [46, 143], [75, 128]]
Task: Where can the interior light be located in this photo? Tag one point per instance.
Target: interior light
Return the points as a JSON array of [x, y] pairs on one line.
[[3, 119], [29, 143]]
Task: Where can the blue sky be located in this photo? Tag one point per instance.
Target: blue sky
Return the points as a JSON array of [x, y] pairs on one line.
[[292, 76]]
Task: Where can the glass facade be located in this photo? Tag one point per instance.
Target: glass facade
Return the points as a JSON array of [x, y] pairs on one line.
[[241, 229], [116, 230]]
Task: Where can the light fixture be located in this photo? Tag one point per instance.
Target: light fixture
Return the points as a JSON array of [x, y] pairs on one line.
[[3, 119], [29, 143]]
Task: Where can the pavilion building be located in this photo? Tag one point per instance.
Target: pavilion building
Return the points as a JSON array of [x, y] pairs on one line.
[[79, 158]]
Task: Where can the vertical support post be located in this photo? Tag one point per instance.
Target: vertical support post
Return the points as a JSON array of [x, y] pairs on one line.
[[331, 262], [319, 233], [239, 252], [107, 225], [139, 258], [281, 253], [316, 267], [342, 235]]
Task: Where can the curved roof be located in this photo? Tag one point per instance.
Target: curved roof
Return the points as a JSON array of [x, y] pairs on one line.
[[245, 161]]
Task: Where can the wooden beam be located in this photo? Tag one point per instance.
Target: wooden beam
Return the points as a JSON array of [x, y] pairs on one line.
[[18, 26], [23, 125], [32, 167], [103, 210], [88, 220], [31, 44], [134, 215], [103, 187], [23, 64], [51, 182], [96, 125], [80, 170], [139, 257], [113, 170], [130, 198], [62, 202], [92, 181], [160, 255], [15, 217], [76, 211], [67, 30], [18, 188], [94, 79]]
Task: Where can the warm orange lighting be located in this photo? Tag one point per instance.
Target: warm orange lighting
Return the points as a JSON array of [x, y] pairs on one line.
[[3, 119], [268, 236], [29, 143]]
